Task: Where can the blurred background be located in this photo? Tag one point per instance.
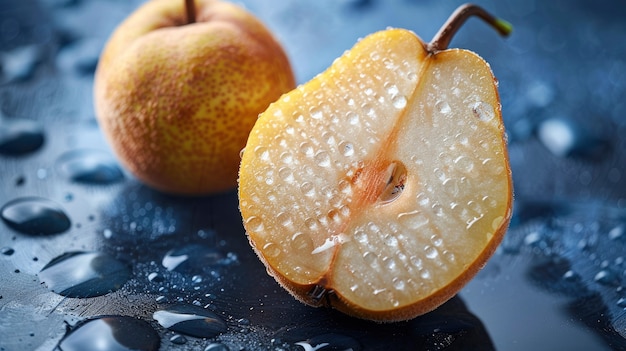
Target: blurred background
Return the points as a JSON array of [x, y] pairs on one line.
[[556, 282]]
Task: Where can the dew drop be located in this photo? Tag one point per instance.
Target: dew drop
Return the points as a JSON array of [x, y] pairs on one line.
[[392, 89], [483, 111], [436, 240], [302, 243], [190, 320], [371, 259], [497, 222], [390, 263], [119, 333], [353, 118], [286, 157], [284, 219], [7, 251], [391, 241], [306, 149], [316, 113], [346, 148], [431, 252], [311, 223], [262, 153], [398, 283], [607, 277], [35, 216], [84, 274], [178, 339], [217, 346], [155, 277], [20, 137], [399, 101], [621, 302], [322, 159], [465, 164], [416, 261], [329, 342], [286, 174], [90, 167], [255, 224], [307, 188], [271, 250], [616, 233], [443, 107], [192, 258]]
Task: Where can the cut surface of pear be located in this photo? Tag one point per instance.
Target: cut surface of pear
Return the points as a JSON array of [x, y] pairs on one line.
[[381, 186]]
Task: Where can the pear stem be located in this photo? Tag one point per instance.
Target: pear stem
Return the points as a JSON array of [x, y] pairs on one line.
[[442, 39], [190, 11]]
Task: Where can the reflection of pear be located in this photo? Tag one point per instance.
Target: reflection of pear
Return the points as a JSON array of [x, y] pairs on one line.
[[381, 186]]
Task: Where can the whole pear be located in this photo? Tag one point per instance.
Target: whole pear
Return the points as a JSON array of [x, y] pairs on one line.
[[178, 88]]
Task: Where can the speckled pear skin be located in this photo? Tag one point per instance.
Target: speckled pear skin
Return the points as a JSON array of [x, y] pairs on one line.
[[381, 186], [177, 101]]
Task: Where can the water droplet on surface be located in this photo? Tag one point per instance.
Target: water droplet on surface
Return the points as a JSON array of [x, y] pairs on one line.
[[371, 259], [307, 188], [20, 64], [443, 107], [193, 258], [616, 233], [398, 284], [557, 136], [353, 118], [483, 111], [306, 149], [262, 153], [255, 224], [413, 220], [112, 333], [301, 242], [607, 277], [431, 252], [286, 174], [90, 167], [621, 302], [392, 89], [155, 277], [271, 250], [322, 159], [35, 216], [190, 320], [286, 157], [316, 113], [346, 148], [217, 347], [178, 339], [399, 101], [330, 342], [84, 274], [20, 136], [7, 251]]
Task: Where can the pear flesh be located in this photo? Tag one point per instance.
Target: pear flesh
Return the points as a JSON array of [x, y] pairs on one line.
[[381, 186]]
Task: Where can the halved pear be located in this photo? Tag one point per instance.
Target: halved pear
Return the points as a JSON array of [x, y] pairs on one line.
[[381, 186]]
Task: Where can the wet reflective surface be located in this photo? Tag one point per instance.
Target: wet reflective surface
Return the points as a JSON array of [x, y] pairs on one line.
[[87, 252]]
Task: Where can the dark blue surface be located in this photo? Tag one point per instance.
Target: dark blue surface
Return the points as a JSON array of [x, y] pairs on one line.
[[556, 282]]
